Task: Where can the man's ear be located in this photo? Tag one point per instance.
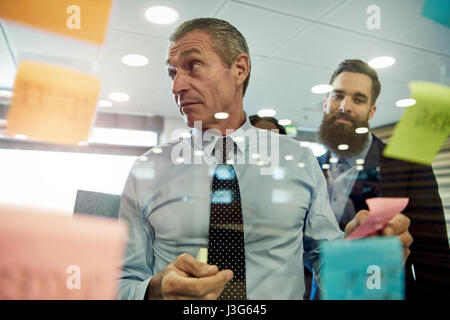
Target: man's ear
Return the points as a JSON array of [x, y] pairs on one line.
[[372, 111], [242, 67], [325, 102]]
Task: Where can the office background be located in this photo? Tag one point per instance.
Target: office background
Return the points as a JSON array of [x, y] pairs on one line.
[[294, 46]]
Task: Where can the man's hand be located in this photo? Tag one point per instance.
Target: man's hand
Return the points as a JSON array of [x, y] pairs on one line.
[[188, 278], [398, 226]]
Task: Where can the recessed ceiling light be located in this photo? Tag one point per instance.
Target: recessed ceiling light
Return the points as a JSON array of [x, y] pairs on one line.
[[405, 103], [119, 96], [359, 161], [359, 167], [135, 60], [301, 165], [321, 88], [381, 62], [288, 157], [6, 93], [284, 122], [325, 166], [104, 103], [221, 115], [361, 130], [161, 15], [334, 160], [343, 147], [266, 113]]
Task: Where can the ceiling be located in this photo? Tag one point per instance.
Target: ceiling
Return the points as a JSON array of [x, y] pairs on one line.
[[294, 45]]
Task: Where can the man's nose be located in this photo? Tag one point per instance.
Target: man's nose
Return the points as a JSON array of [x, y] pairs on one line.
[[179, 84], [345, 105]]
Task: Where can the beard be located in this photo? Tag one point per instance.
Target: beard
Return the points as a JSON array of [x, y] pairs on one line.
[[332, 134]]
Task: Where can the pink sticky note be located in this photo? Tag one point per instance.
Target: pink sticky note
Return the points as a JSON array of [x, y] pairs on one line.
[[54, 256], [382, 210]]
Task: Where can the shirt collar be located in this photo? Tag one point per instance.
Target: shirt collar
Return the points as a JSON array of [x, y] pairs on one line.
[[201, 140], [351, 161]]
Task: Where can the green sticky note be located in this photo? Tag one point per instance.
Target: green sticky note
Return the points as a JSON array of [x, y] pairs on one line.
[[423, 128]]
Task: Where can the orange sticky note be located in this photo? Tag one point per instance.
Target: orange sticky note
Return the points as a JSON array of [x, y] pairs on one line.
[[54, 256], [83, 19], [52, 104]]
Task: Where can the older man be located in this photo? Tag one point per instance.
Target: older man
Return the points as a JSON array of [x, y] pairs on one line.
[[258, 230]]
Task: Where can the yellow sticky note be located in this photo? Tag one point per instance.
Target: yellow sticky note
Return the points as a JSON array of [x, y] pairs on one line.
[[83, 19], [202, 255], [419, 135], [52, 104]]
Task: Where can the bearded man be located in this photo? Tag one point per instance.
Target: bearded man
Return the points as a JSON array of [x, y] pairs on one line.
[[356, 170]]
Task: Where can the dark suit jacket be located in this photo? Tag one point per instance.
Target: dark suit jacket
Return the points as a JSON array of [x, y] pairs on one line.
[[388, 177]]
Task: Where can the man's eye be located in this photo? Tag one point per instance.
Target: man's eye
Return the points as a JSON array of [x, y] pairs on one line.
[[337, 96], [194, 65], [172, 74]]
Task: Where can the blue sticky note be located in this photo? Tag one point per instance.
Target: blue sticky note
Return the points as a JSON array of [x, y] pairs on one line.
[[438, 11], [364, 269]]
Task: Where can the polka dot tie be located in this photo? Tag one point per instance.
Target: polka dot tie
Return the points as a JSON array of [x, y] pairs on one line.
[[226, 232]]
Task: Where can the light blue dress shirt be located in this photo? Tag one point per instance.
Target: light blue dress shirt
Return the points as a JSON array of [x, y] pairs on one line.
[[287, 214], [341, 181]]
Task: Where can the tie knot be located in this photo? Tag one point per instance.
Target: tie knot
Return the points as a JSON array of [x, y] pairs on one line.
[[222, 149], [342, 165]]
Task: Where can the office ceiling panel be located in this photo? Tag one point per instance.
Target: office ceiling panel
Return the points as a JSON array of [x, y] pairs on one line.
[[138, 83], [294, 44], [310, 10], [429, 36], [34, 41], [394, 16], [262, 37], [129, 15], [120, 43], [325, 46]]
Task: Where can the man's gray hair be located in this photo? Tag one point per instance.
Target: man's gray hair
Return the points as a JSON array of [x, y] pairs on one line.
[[228, 41]]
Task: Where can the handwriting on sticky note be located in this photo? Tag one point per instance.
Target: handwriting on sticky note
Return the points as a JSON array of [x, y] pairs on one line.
[[52, 104], [419, 135], [202, 255], [382, 210], [82, 19]]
